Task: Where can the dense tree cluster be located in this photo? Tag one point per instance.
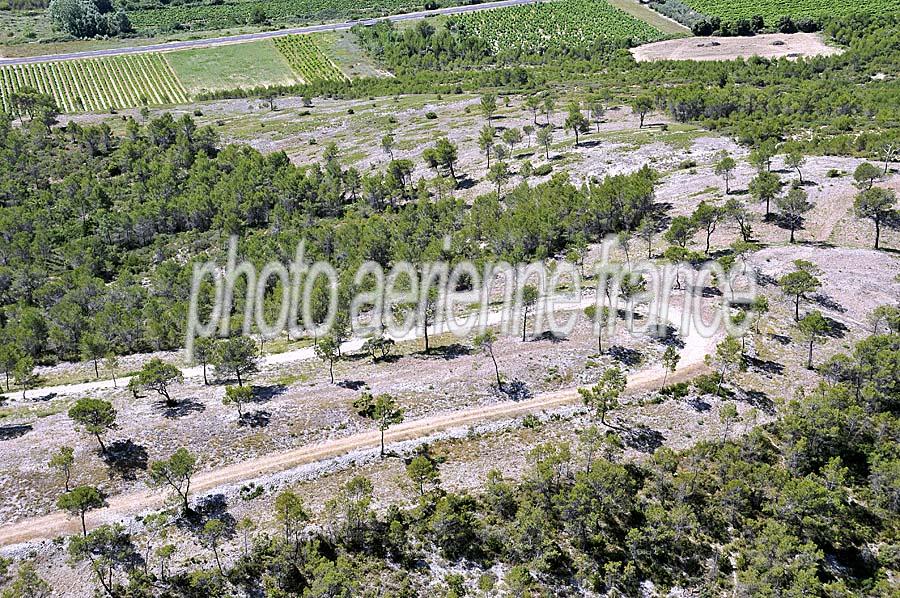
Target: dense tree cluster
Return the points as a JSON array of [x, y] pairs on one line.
[[88, 18], [100, 231]]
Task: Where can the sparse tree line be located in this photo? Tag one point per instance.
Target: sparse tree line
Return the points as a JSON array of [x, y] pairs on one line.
[[822, 476]]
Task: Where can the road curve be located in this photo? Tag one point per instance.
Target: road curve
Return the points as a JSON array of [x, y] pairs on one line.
[[249, 37]]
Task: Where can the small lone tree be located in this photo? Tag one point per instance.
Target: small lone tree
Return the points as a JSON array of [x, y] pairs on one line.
[[23, 374], [422, 472], [876, 204], [387, 145], [175, 472], [486, 139], [641, 105], [670, 361], [237, 357], [79, 501], [204, 352], [488, 106], [759, 307], [792, 207], [238, 395], [799, 284], [111, 365], [529, 300], [729, 357], [728, 414], [291, 513], [383, 410], [764, 187], [795, 160], [212, 532], [499, 174], [597, 108], [62, 461], [93, 348], [545, 140], [813, 328], [681, 230], [706, 218], [326, 350], [485, 343], [724, 168], [865, 175], [603, 397], [96, 416], [599, 319], [158, 375], [575, 120]]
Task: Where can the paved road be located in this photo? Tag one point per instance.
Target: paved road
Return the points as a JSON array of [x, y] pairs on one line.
[[247, 37]]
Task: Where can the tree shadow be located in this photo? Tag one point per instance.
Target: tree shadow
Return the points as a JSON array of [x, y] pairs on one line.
[[642, 439], [44, 398], [126, 458], [213, 506], [760, 400], [264, 394], [255, 419], [781, 339], [466, 182], [184, 408], [515, 390], [352, 384], [451, 351], [697, 404], [828, 303], [666, 334], [835, 329], [14, 431], [629, 357], [764, 365], [548, 336]]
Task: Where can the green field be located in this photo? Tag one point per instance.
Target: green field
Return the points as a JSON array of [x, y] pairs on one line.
[[205, 15], [97, 84], [771, 10], [565, 23], [307, 59], [254, 64]]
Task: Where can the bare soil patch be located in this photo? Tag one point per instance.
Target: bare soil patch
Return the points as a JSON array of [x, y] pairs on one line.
[[775, 45]]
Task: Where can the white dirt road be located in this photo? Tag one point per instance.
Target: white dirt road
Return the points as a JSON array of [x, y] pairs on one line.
[[119, 507]]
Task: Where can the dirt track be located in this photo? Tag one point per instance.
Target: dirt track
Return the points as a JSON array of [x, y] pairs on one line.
[[121, 506]]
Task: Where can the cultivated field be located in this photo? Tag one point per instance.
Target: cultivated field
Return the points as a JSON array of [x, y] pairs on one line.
[[574, 23], [167, 78], [209, 16], [771, 10], [307, 59], [98, 84], [255, 64]]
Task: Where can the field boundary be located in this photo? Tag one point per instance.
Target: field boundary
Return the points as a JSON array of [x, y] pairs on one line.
[[651, 17]]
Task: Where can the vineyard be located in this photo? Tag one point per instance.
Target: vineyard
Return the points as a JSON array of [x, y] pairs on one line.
[[229, 14], [771, 10], [565, 23], [97, 84], [307, 59]]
